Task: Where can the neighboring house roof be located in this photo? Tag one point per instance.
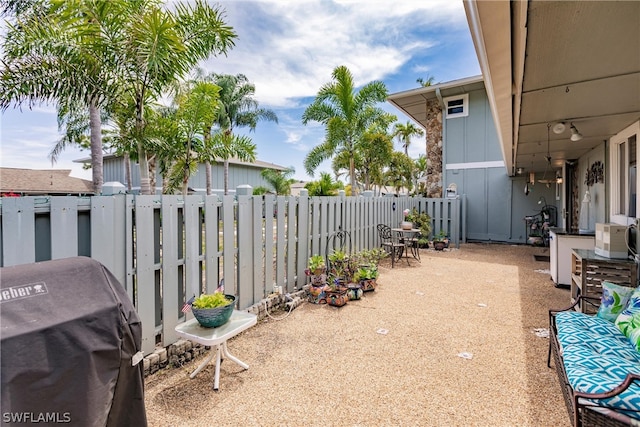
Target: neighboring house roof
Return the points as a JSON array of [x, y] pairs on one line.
[[257, 164], [41, 182], [412, 102]]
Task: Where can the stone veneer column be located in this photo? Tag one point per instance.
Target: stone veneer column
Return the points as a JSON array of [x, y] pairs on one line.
[[434, 149]]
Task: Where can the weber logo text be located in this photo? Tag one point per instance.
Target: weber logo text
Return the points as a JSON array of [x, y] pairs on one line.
[[23, 291]]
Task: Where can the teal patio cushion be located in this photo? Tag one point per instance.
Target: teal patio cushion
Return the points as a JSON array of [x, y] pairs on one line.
[[597, 358]]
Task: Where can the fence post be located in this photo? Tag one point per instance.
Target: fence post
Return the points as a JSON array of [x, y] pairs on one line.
[[18, 230], [245, 262], [303, 239]]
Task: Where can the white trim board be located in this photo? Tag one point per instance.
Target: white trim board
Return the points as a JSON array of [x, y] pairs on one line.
[[475, 165]]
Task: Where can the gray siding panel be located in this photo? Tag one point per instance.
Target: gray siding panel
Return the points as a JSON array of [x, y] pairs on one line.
[[114, 170], [488, 193], [473, 139]]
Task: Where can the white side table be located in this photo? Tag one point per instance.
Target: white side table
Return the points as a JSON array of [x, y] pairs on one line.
[[217, 337]]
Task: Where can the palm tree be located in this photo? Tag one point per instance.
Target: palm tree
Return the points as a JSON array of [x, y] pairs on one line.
[[186, 132], [376, 150], [223, 145], [163, 46], [121, 53], [280, 180], [399, 172], [425, 82], [404, 132], [56, 53], [325, 186], [238, 108], [420, 172], [346, 115]]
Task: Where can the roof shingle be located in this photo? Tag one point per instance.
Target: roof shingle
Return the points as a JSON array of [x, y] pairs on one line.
[[43, 181]]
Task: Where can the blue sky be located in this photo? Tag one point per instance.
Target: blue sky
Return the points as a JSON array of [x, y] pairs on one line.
[[288, 49]]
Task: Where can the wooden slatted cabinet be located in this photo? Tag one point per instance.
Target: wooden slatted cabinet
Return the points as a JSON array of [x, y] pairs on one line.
[[589, 270]]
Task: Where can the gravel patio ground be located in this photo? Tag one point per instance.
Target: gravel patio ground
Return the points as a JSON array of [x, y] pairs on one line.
[[459, 350]]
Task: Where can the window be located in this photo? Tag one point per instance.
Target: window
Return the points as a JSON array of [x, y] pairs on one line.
[[457, 106], [624, 175]]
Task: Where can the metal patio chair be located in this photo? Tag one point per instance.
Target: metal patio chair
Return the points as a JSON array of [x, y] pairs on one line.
[[390, 242]]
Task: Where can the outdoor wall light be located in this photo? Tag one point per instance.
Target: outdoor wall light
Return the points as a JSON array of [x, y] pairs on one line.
[[558, 128], [558, 177], [575, 135]]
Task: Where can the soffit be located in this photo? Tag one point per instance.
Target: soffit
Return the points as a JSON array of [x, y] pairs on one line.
[[572, 61]]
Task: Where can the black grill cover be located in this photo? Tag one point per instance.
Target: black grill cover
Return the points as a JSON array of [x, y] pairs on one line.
[[69, 333]]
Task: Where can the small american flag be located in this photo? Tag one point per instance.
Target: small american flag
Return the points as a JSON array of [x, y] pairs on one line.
[[187, 305]]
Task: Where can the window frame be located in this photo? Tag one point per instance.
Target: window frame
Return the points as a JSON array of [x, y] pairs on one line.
[[615, 173], [465, 106]]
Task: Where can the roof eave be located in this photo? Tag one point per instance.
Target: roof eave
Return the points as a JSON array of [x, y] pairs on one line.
[[490, 26]]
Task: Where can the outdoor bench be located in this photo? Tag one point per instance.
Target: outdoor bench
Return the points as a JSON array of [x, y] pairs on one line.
[[598, 368]]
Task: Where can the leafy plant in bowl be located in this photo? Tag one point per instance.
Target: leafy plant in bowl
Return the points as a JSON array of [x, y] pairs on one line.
[[440, 241], [367, 276], [317, 265], [213, 310]]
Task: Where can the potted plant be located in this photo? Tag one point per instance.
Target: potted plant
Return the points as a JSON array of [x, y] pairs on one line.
[[406, 224], [336, 291], [316, 265], [367, 276], [354, 288], [339, 263], [213, 310], [339, 275], [366, 257], [440, 241], [376, 254], [316, 271], [421, 221]]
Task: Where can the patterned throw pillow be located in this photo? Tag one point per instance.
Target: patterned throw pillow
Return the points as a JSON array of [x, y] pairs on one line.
[[629, 320], [614, 300]]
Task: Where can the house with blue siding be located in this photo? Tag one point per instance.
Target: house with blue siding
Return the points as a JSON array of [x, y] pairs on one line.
[[464, 156], [240, 173], [553, 120]]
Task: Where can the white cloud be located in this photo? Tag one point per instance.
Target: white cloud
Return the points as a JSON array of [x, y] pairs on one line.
[[289, 48]]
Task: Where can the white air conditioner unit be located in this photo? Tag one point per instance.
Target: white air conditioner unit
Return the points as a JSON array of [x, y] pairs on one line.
[[610, 240]]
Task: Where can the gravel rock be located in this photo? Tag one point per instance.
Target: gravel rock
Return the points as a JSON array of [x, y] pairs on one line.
[[330, 366]]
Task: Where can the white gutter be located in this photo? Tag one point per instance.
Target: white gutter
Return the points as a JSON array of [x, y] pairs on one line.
[[519, 41], [473, 17], [437, 87]]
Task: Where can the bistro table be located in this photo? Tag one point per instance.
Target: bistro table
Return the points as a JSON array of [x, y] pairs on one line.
[[410, 239], [217, 337]]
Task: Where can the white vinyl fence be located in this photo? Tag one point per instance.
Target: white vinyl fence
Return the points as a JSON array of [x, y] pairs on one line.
[[165, 249]]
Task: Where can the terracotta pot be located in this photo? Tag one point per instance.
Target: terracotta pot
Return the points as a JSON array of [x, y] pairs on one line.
[[336, 298], [354, 292], [368, 285], [317, 294], [318, 279]]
